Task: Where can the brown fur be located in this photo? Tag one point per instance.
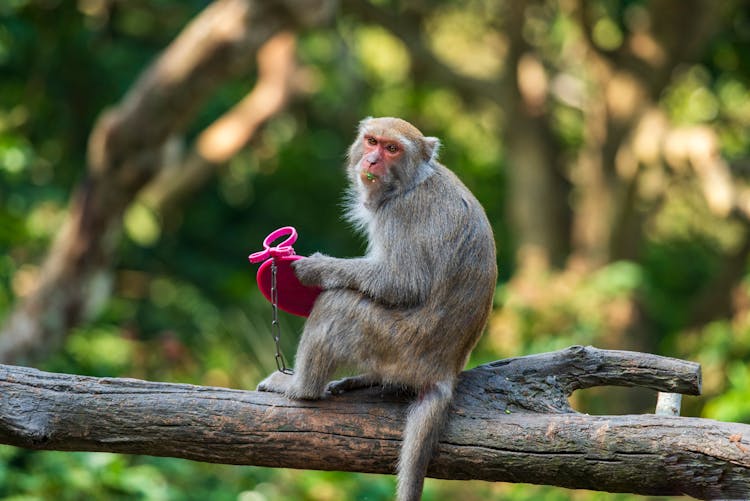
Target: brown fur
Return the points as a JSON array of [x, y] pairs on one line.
[[410, 311]]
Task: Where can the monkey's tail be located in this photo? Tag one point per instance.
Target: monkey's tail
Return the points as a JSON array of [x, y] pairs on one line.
[[424, 422]]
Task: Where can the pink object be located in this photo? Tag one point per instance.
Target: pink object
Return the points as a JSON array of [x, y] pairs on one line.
[[293, 297]]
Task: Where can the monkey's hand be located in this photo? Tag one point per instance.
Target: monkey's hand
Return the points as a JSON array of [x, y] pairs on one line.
[[329, 272], [314, 270]]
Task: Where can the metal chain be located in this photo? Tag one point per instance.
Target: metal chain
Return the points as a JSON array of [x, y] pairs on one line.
[[275, 327]]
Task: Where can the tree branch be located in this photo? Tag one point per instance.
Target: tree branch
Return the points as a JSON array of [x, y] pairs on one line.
[[126, 151], [510, 422], [228, 134]]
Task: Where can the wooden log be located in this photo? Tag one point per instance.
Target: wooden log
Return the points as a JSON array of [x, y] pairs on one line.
[[510, 422]]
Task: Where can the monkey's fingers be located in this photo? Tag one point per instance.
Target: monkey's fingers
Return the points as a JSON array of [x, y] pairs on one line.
[[307, 272]]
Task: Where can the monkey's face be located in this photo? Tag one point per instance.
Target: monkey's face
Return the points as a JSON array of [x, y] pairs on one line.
[[379, 154], [388, 152]]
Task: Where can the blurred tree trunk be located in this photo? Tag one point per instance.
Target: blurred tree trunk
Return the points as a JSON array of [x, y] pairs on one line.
[[585, 211], [627, 83], [590, 208], [538, 192], [127, 150]]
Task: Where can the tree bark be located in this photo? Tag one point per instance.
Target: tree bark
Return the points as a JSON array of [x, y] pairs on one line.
[[510, 422]]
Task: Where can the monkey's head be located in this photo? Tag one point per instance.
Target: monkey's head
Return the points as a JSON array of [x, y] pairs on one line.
[[390, 152]]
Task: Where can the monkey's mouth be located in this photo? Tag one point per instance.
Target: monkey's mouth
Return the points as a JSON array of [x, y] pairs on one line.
[[372, 172], [377, 169], [368, 176]]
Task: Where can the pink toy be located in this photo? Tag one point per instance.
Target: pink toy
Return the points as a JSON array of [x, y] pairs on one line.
[[292, 296]]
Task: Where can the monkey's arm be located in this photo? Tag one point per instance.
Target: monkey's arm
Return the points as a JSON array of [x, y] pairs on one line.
[[406, 283]]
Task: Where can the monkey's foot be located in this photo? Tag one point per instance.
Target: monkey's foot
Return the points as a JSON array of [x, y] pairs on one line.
[[286, 384], [339, 386], [277, 382]]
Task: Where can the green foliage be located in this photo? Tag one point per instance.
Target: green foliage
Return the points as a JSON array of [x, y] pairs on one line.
[[101, 476], [542, 315]]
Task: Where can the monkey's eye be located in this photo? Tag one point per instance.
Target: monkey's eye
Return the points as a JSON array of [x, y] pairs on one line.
[[392, 148], [371, 141]]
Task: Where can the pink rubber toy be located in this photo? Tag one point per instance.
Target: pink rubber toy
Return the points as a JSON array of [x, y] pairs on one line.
[[293, 297]]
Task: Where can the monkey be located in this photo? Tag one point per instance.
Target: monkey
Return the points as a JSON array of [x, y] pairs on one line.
[[408, 313]]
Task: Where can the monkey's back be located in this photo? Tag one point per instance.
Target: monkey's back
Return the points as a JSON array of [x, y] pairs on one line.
[[452, 248]]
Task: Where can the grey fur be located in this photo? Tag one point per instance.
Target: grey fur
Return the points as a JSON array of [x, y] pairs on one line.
[[410, 311]]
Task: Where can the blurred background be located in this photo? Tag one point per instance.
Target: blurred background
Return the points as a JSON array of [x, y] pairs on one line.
[[609, 142]]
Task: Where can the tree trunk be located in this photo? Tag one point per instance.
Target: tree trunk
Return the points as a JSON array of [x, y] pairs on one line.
[[538, 192], [127, 151], [510, 422]]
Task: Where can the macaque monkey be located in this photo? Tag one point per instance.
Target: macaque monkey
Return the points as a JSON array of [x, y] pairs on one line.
[[409, 312]]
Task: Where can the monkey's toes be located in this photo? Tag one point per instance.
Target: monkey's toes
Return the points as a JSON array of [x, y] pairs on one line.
[[275, 383], [339, 386], [336, 387], [265, 387]]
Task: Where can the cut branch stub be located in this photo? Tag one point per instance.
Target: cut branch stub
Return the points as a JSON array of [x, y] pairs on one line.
[[543, 383]]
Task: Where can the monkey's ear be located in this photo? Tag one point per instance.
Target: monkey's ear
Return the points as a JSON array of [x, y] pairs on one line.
[[431, 148]]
